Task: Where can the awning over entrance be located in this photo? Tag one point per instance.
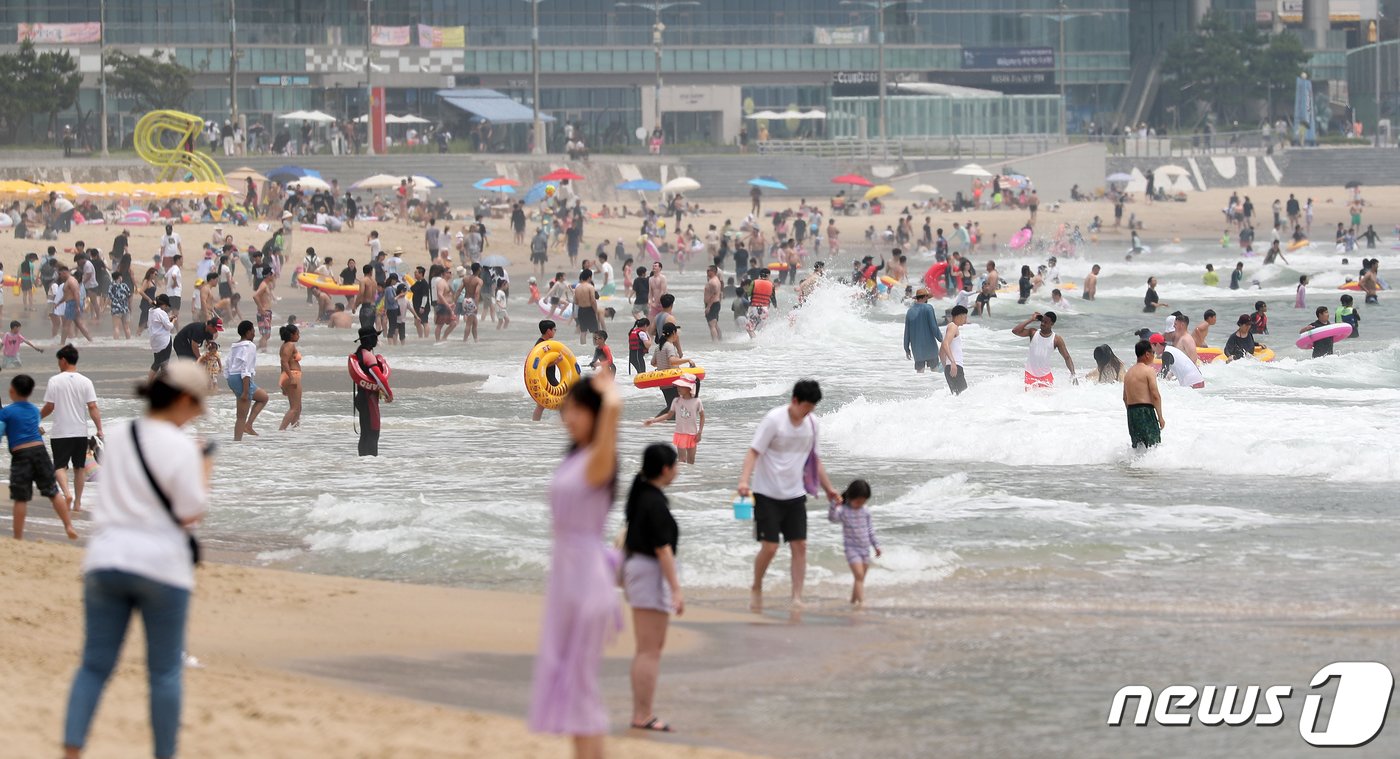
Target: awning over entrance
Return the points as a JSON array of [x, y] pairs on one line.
[[492, 106]]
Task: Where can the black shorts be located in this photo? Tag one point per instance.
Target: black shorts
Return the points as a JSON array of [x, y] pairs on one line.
[[161, 359], [984, 298], [175, 304], [773, 518], [29, 467], [956, 384], [712, 313], [69, 451], [587, 320], [922, 365]]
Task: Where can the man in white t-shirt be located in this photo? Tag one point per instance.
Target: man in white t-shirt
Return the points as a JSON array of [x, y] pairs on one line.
[[174, 283], [606, 284], [776, 464], [1176, 363], [170, 246], [71, 400]]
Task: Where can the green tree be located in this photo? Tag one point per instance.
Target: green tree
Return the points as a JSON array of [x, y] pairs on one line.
[[33, 83], [153, 83], [1221, 69]]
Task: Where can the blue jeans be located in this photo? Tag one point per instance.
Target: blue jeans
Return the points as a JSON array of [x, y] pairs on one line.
[[109, 598]]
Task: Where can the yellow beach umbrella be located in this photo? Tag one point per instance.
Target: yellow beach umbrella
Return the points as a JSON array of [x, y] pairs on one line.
[[878, 191]]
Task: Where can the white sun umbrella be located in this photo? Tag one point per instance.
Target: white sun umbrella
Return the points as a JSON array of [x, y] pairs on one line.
[[409, 118], [770, 115], [377, 182], [293, 116], [680, 184], [420, 181], [924, 189], [310, 183], [318, 117], [972, 170], [1172, 170]]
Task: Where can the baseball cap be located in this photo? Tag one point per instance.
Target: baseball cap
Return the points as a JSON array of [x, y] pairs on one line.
[[216, 323], [1157, 339]]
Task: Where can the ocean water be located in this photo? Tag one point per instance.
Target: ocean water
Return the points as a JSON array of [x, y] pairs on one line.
[[1033, 562]]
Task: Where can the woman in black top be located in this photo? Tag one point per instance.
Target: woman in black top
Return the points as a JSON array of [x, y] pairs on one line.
[[650, 577], [1025, 284]]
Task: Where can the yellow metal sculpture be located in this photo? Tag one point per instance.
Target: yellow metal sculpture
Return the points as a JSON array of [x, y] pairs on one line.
[[155, 133]]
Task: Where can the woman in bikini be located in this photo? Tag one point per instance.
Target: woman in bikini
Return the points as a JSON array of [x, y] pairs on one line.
[[290, 379]]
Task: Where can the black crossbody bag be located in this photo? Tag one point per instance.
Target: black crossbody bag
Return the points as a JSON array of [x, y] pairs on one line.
[[164, 500]]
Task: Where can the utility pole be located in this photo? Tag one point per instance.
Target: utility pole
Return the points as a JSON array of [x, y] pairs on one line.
[[369, 77], [1060, 56], [1376, 38], [538, 126], [880, 47], [102, 70], [657, 29], [233, 62]]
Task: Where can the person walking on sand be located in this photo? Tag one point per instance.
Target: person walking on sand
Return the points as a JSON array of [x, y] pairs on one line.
[[784, 465], [71, 400], [581, 610], [1142, 400], [650, 578], [239, 371], [155, 482]]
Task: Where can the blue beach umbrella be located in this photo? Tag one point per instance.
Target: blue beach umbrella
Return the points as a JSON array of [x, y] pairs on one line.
[[640, 185], [536, 193], [504, 189], [767, 183], [284, 174]]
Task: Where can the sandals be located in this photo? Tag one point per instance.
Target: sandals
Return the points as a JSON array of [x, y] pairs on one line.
[[655, 725]]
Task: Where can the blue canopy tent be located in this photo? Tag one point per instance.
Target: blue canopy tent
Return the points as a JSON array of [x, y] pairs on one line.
[[492, 106]]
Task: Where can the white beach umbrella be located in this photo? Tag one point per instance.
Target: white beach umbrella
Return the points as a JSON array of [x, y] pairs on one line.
[[924, 189], [972, 170], [680, 184]]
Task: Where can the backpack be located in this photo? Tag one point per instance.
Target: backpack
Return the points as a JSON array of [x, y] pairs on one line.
[[48, 271]]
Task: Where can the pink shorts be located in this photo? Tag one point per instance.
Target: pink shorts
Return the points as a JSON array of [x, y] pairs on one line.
[[682, 442], [1033, 381]]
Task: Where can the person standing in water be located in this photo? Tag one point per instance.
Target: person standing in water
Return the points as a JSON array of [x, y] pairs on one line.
[[581, 609], [1044, 341], [777, 465], [370, 373], [1150, 302], [1142, 400], [239, 372], [952, 350], [921, 334], [650, 577], [1321, 347], [1091, 283], [1241, 341], [290, 377]]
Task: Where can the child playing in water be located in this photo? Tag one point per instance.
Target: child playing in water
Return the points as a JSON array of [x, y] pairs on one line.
[[94, 446], [10, 345], [212, 364], [1301, 301], [858, 532], [502, 316], [602, 354], [689, 414]]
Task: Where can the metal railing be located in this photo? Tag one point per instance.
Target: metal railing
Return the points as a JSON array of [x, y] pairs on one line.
[[1187, 145]]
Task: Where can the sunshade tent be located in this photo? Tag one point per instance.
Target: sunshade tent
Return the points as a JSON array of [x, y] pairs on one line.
[[768, 183], [316, 116], [764, 115], [972, 170], [559, 175], [923, 189], [878, 191], [640, 185], [491, 105], [680, 184], [852, 179]]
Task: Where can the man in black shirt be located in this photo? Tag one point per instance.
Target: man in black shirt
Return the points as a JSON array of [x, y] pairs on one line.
[[641, 291], [1241, 342], [418, 300], [1321, 347], [191, 338]]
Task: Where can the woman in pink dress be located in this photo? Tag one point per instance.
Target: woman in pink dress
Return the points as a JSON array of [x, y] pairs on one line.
[[581, 611]]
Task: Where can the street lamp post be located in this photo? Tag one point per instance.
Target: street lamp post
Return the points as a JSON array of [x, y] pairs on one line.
[[657, 30], [1376, 38], [1061, 65], [102, 71], [233, 62], [538, 147]]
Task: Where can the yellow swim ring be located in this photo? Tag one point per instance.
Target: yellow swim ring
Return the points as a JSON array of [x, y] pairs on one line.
[[537, 383]]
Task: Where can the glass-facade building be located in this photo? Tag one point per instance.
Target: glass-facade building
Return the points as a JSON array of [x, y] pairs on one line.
[[720, 58]]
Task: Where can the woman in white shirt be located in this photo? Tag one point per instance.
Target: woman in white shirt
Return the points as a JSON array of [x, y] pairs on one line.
[[155, 486], [161, 328], [239, 369]]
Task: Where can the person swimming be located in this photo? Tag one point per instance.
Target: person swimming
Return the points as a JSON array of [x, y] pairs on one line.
[[1110, 368]]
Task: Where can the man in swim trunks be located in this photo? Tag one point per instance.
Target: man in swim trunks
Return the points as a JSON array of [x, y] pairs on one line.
[[588, 314], [1044, 341], [1091, 283], [471, 295], [1143, 400], [262, 299], [367, 296], [1182, 338], [1202, 330], [714, 293]]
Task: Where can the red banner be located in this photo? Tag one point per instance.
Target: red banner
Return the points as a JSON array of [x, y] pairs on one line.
[[376, 119], [60, 34]]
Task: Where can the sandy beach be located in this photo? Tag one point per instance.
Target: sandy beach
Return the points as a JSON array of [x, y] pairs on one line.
[[249, 628]]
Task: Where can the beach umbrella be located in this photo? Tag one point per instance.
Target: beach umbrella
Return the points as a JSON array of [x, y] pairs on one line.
[[1171, 170], [852, 179], [486, 186], [767, 183], [924, 189], [499, 182], [376, 182], [422, 180], [1353, 184], [310, 183], [1120, 177], [536, 193], [680, 184], [243, 173], [764, 116], [559, 175], [501, 261], [878, 191], [640, 185], [284, 174], [972, 170]]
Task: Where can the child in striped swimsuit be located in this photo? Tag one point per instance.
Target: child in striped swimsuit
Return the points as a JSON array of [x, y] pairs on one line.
[[858, 532]]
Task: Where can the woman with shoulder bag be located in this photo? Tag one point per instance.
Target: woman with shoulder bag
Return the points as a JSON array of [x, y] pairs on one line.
[[155, 483]]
